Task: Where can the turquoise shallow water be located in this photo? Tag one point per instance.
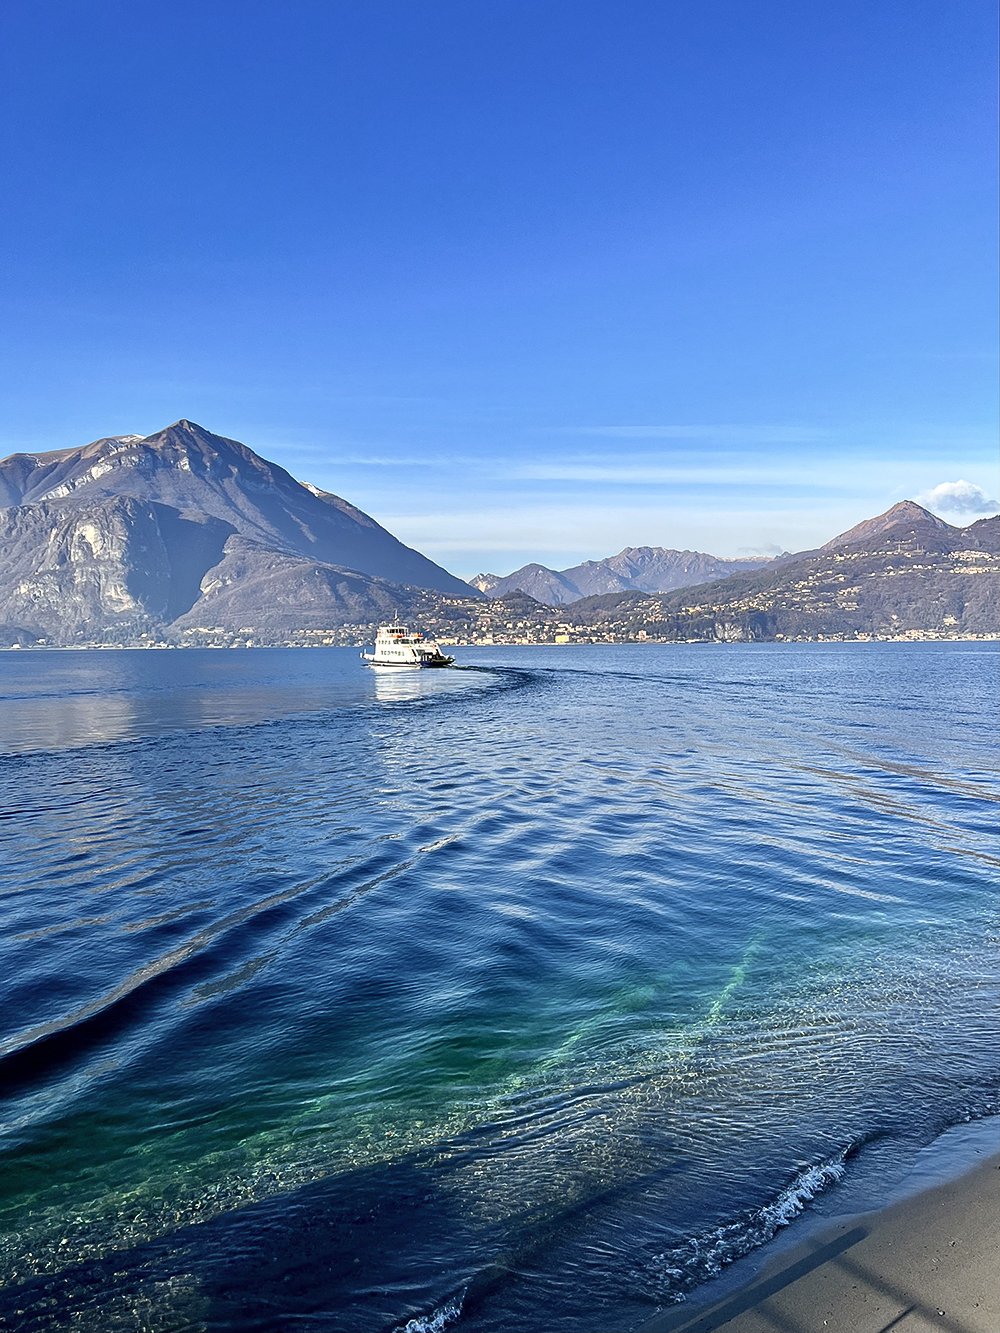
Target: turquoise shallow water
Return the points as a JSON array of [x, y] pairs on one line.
[[484, 999]]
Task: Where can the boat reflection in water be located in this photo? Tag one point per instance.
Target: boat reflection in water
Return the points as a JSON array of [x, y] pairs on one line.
[[393, 686]]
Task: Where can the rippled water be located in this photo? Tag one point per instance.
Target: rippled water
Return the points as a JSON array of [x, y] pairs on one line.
[[486, 999]]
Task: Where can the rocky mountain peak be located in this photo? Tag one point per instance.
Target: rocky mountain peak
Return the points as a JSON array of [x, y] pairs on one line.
[[486, 582], [636, 568], [905, 512], [185, 444], [205, 476]]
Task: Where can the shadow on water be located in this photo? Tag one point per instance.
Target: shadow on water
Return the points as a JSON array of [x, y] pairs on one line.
[[358, 1253], [679, 1321]]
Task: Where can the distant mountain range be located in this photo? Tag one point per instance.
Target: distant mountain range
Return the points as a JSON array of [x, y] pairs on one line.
[[187, 537], [636, 569], [904, 573]]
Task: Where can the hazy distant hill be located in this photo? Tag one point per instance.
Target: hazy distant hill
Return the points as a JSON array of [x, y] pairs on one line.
[[132, 531], [543, 584], [905, 571], [637, 568]]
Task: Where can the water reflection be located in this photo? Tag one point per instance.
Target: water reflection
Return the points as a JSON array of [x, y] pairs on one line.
[[54, 724], [396, 684], [52, 701]]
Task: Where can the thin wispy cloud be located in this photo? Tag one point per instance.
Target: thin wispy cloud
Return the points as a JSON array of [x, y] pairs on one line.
[[592, 529], [771, 549], [639, 474], [723, 434], [393, 462], [901, 440], [330, 453], [832, 477]]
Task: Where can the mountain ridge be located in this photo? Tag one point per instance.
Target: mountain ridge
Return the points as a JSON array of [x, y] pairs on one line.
[[194, 471], [189, 537], [906, 511], [131, 532], [636, 568], [915, 575]]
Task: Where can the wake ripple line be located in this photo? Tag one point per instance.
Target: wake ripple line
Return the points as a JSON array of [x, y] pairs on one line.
[[22, 1055]]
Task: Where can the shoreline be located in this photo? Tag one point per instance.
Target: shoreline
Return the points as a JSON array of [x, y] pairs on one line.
[[923, 1258], [161, 646]]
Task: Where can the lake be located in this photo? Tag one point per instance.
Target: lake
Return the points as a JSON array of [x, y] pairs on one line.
[[497, 998]]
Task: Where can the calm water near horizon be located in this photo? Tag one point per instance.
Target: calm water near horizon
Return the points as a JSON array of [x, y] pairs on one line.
[[518, 998]]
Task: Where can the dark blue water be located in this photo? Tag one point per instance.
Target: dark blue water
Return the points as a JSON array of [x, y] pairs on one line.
[[517, 997]]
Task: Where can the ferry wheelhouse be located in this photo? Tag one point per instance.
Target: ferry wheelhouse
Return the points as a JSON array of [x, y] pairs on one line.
[[395, 646]]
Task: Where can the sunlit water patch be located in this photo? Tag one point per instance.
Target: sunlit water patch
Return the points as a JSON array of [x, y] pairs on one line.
[[477, 999]]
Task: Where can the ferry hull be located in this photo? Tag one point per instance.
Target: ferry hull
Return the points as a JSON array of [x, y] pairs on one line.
[[410, 666]]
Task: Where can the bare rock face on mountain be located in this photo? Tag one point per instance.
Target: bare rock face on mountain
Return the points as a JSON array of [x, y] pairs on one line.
[[113, 563], [485, 582], [656, 569], [118, 537], [637, 568], [196, 472]]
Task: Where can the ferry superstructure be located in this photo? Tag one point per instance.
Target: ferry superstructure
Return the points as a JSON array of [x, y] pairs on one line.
[[395, 646]]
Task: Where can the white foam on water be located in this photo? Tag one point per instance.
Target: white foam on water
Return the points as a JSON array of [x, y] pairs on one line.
[[706, 1255], [437, 1320], [805, 1187]]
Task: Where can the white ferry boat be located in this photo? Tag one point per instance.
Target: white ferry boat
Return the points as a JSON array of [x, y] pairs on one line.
[[395, 646]]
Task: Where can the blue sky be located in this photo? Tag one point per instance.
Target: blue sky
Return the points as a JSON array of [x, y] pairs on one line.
[[525, 280]]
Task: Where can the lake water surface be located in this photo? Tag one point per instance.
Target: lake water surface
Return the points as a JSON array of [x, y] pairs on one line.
[[517, 998]]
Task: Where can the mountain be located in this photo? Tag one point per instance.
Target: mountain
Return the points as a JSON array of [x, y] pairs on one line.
[[196, 472], [905, 572], [543, 584], [188, 537], [131, 533], [655, 569], [906, 512], [274, 592], [637, 568]]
